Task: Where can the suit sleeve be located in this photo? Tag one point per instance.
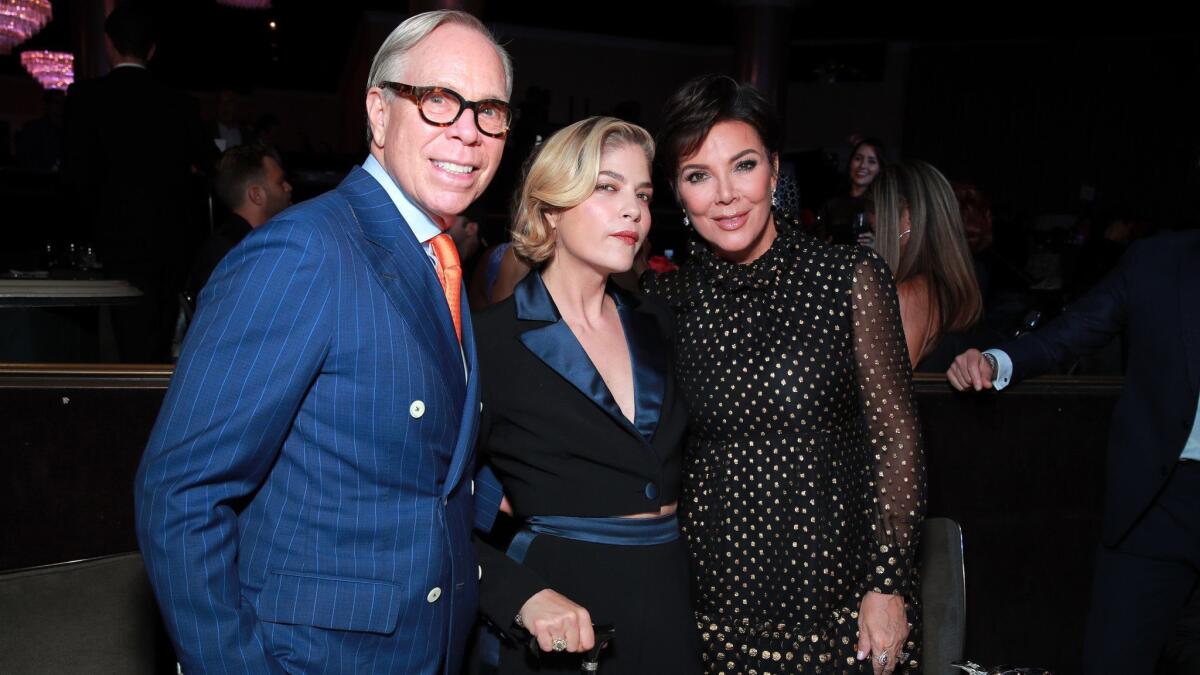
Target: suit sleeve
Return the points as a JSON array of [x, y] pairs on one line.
[[254, 349], [1088, 324], [488, 490], [488, 495], [504, 584]]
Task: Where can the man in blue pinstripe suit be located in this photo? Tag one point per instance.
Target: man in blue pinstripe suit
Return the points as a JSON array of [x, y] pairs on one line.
[[305, 501]]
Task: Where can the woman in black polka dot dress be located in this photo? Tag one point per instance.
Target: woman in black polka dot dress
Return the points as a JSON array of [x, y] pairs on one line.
[[804, 478]]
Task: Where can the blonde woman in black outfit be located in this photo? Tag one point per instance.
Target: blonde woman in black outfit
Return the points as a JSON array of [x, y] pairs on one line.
[[582, 423]]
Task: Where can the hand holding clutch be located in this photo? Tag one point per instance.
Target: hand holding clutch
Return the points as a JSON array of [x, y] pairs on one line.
[[557, 623]]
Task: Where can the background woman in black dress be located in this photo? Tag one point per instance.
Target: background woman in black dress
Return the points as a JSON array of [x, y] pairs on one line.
[[582, 423], [837, 217], [803, 478]]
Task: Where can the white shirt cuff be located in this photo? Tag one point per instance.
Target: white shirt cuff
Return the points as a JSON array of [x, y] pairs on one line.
[[1004, 367]]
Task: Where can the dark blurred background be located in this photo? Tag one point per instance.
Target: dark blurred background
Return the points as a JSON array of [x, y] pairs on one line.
[[1067, 118]]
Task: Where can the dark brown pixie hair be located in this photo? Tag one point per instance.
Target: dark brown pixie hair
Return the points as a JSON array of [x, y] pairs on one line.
[[699, 105]]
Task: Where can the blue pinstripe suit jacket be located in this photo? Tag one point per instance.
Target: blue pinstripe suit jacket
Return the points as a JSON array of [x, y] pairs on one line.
[[304, 504]]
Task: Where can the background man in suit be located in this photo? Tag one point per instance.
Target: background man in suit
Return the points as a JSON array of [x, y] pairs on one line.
[[1148, 562], [305, 502], [135, 153], [251, 183]]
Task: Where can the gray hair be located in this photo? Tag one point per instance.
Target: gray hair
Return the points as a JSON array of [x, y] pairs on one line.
[[390, 59]]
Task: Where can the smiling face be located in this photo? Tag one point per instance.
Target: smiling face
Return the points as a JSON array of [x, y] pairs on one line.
[[726, 187], [605, 231], [864, 166], [441, 169]]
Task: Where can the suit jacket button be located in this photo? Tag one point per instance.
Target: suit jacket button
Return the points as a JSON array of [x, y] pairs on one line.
[[416, 409], [651, 491], [434, 594], [480, 571]]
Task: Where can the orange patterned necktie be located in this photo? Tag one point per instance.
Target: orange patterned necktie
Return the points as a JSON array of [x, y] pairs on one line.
[[449, 272]]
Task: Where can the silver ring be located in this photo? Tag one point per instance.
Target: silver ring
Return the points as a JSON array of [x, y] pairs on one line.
[[559, 644], [882, 659]]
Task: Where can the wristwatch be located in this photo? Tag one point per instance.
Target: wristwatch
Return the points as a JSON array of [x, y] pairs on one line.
[[991, 359]]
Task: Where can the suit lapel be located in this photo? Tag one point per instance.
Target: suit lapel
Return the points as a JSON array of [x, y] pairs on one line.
[[649, 364], [404, 271], [464, 450], [556, 346], [1189, 303]]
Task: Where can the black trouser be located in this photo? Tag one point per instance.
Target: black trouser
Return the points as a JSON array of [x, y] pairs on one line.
[[1142, 584]]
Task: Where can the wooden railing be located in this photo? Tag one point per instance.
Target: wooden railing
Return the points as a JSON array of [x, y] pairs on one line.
[[1020, 470]]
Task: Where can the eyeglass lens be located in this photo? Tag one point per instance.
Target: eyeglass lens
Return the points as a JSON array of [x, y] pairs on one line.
[[442, 106]]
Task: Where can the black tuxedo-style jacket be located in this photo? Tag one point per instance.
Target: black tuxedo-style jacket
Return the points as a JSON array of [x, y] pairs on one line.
[[553, 433]]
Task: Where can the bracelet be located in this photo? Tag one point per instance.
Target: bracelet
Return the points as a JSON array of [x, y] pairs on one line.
[[991, 359]]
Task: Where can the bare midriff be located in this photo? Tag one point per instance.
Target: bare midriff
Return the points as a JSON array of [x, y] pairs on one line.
[[666, 510]]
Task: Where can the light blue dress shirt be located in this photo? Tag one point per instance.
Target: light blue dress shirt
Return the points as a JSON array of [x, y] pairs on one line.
[[1003, 375], [1191, 449], [423, 227]]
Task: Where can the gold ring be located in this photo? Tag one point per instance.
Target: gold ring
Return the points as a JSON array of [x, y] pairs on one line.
[[559, 644]]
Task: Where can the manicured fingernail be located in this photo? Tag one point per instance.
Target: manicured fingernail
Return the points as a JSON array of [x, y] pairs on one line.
[[861, 655]]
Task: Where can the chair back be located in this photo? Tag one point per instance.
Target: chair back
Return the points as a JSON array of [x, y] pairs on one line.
[[89, 616], [943, 595]]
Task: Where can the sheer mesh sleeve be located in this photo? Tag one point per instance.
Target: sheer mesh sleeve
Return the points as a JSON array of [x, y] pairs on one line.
[[894, 435]]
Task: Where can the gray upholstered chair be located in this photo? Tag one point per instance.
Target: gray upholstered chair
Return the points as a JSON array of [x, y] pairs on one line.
[[89, 616], [943, 595]]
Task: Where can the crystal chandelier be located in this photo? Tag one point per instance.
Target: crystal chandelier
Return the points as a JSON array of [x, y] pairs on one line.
[[20, 19], [246, 4], [55, 70]]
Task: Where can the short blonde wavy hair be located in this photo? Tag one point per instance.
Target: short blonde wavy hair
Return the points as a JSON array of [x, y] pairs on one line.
[[561, 174]]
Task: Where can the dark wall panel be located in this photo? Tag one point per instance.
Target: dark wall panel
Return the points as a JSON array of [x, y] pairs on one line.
[[1021, 471]]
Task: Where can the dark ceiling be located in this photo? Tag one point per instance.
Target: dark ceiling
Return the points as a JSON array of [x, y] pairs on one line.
[[207, 46]]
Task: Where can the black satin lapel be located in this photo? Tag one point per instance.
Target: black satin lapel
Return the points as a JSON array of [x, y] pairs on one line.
[[557, 347], [533, 300], [646, 351]]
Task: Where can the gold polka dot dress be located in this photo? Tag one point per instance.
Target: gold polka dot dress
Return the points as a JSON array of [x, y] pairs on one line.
[[804, 481]]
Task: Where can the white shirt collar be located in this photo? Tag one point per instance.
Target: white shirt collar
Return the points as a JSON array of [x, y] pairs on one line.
[[423, 227]]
